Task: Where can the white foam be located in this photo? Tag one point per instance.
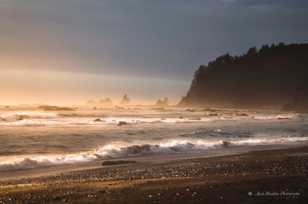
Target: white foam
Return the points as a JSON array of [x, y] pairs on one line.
[[136, 120], [138, 148], [33, 161], [269, 141], [37, 119], [275, 117], [16, 116]]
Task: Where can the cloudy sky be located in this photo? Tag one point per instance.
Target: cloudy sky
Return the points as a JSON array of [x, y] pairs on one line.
[[68, 51]]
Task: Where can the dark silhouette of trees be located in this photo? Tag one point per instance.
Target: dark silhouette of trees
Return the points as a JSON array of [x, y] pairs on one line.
[[252, 51], [266, 78]]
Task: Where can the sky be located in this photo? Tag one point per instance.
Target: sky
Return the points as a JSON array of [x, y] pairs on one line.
[[69, 51]]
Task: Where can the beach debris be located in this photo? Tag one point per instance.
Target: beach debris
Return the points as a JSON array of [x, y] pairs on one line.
[[212, 114], [226, 143], [242, 114], [120, 123], [98, 120]]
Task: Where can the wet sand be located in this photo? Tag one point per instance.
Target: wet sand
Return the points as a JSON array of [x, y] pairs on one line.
[[268, 176]]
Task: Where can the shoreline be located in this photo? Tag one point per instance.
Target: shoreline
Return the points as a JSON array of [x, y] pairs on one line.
[[258, 176]]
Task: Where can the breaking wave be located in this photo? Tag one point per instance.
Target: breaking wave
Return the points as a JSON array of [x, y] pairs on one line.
[[275, 117], [35, 118], [122, 150], [52, 119], [18, 116]]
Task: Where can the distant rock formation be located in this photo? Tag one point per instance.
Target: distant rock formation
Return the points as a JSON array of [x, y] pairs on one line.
[[55, 108], [275, 76], [125, 100], [162, 102], [91, 102], [106, 102]]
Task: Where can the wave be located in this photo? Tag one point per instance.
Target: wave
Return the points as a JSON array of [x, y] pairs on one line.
[[139, 148], [275, 117], [136, 120], [18, 116], [35, 118], [113, 150], [52, 119], [34, 161]]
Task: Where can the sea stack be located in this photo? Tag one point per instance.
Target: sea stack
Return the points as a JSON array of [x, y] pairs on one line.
[[125, 100]]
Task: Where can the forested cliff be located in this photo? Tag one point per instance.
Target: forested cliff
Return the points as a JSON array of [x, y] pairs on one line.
[[274, 76]]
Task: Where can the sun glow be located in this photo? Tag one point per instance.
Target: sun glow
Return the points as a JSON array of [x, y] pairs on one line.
[[28, 86]]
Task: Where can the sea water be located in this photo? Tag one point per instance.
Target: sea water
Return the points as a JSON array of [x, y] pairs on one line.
[[32, 139]]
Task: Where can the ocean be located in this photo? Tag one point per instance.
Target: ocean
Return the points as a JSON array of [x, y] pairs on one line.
[[35, 139]]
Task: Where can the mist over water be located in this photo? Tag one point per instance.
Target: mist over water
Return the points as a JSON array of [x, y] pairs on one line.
[[31, 139]]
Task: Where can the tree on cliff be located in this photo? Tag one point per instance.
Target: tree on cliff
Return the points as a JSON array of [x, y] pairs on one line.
[[265, 78]]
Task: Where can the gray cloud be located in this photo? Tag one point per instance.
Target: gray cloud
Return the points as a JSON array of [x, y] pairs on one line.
[[161, 38], [292, 3]]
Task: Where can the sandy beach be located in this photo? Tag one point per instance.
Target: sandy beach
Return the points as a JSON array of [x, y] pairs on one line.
[[268, 176]]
